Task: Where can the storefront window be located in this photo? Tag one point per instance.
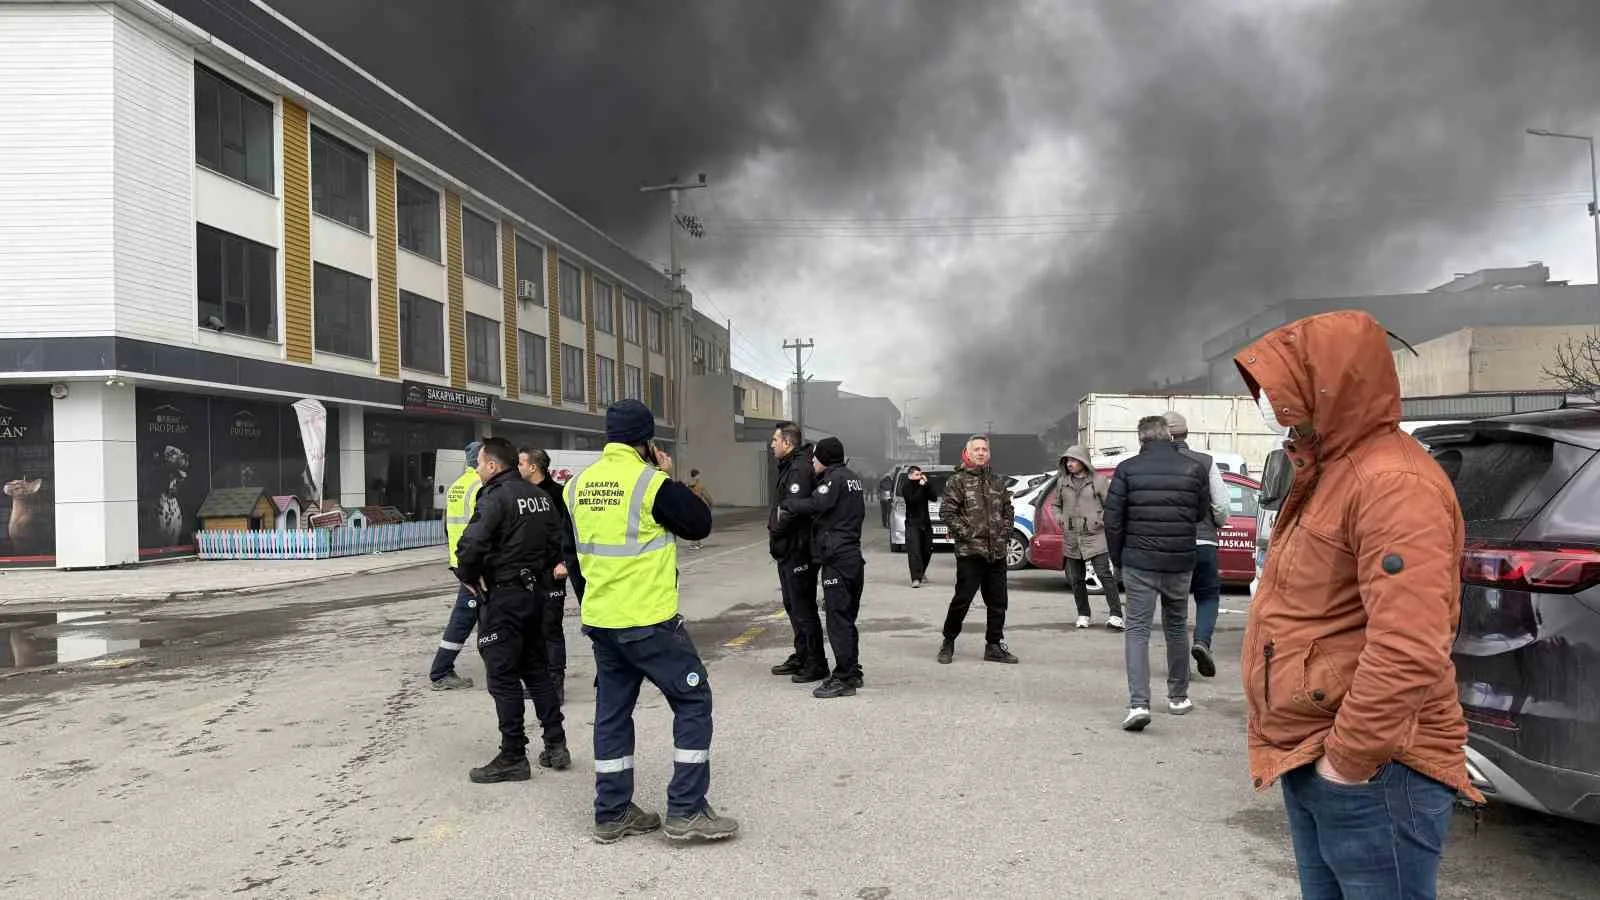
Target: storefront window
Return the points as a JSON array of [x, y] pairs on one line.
[[401, 456], [27, 474]]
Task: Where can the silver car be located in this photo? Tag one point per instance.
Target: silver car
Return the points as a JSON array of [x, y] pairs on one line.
[[937, 476]]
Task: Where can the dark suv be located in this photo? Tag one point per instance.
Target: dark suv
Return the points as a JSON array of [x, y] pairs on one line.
[[1527, 654]]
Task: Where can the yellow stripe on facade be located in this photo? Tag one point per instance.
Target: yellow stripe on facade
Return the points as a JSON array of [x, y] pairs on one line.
[[388, 280], [457, 313], [590, 364], [552, 344], [296, 232], [508, 295]]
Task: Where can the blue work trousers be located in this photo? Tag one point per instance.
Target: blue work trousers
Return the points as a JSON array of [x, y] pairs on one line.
[[463, 618]]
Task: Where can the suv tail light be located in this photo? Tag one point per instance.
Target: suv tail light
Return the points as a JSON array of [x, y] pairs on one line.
[[1553, 570]]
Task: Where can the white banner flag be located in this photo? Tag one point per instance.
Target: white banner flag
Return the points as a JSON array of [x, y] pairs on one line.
[[314, 435]]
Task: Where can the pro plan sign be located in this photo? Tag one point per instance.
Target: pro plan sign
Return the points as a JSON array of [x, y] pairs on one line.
[[437, 399]]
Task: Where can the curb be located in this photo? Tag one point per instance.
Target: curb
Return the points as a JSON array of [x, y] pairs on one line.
[[182, 596]]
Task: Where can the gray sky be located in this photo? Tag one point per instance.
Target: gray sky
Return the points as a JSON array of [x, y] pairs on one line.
[[999, 206]]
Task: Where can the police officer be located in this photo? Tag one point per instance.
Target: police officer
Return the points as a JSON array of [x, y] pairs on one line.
[[789, 541], [534, 466], [627, 513], [837, 507], [459, 502], [509, 554]]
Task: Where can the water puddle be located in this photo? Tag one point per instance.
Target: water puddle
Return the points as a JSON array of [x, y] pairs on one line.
[[30, 640]]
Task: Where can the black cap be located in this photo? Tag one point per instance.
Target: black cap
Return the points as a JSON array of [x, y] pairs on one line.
[[830, 451], [629, 422]]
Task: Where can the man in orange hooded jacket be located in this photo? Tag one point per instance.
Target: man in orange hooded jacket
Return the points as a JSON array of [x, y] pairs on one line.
[[1347, 672]]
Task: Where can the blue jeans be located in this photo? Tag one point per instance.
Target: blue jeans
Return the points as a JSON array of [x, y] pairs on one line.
[[1375, 841], [623, 659], [463, 617], [1207, 590]]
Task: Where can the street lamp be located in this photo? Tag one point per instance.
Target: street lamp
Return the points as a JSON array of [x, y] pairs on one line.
[[1594, 188]]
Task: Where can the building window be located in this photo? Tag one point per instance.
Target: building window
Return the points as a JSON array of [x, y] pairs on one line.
[[630, 320], [232, 130], [236, 283], [338, 180], [417, 213], [697, 362], [738, 400], [632, 382], [571, 291], [605, 310], [658, 395], [572, 373], [483, 349], [530, 272], [535, 365], [478, 239], [655, 330], [605, 377], [343, 303], [421, 333]]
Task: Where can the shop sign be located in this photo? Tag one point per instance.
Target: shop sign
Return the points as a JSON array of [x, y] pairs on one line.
[[439, 399]]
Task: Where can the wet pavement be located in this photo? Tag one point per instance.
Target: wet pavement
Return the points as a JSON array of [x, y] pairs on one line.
[[287, 744]]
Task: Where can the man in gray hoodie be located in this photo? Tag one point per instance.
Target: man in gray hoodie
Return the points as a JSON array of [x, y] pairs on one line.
[[1080, 510]]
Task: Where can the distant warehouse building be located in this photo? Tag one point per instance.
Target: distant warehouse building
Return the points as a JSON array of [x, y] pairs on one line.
[[208, 215]]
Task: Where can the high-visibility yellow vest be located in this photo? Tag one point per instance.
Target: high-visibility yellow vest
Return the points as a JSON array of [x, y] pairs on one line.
[[629, 562], [459, 503]]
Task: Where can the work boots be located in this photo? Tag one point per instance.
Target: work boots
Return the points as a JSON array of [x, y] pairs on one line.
[[791, 666], [452, 682], [997, 652], [504, 767], [704, 825], [555, 756], [947, 653], [634, 821], [811, 674]]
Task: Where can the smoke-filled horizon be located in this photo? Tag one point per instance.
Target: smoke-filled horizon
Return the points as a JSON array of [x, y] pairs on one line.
[[998, 207]]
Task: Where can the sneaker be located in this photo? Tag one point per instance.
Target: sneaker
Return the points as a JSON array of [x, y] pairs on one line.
[[503, 767], [1083, 622], [704, 825], [452, 682], [556, 756], [634, 821], [1179, 707], [856, 681], [1203, 662], [1114, 623], [998, 652], [790, 666], [810, 676], [947, 652], [1138, 717], [834, 687], [916, 582]]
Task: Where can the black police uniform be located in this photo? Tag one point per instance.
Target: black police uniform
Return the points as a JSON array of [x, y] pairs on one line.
[[789, 541], [838, 507], [513, 543]]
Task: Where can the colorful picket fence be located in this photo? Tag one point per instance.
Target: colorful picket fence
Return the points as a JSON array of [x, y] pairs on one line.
[[319, 543]]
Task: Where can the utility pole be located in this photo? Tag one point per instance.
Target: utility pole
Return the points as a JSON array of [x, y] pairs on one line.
[[799, 381], [679, 306]]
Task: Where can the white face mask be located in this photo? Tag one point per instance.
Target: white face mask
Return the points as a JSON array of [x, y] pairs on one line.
[[1269, 415]]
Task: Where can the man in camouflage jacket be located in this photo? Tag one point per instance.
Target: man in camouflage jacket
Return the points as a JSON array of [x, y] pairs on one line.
[[977, 509]]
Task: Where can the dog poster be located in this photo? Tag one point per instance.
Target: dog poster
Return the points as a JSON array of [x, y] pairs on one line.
[[173, 444], [27, 477]]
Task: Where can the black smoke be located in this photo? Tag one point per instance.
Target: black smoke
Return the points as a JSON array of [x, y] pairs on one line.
[[1225, 154]]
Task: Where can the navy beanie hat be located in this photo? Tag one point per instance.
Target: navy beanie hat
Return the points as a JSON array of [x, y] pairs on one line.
[[830, 451], [629, 422]]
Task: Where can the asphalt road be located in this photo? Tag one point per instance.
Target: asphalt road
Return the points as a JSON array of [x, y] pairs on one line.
[[287, 745]]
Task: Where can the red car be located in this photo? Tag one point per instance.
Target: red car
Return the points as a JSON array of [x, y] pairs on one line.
[[1237, 542]]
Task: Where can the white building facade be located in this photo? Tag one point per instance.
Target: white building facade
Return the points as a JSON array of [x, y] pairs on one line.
[[206, 215]]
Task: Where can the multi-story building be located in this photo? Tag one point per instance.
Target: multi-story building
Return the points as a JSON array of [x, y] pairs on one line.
[[755, 399], [206, 215]]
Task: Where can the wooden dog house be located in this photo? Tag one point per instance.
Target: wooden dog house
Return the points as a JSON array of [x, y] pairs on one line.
[[238, 509]]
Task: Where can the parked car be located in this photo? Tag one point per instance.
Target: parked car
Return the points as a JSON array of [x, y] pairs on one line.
[[1236, 542], [937, 476], [1018, 485], [1527, 652]]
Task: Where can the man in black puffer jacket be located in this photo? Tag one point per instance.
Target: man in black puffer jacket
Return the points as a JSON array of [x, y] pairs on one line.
[[1151, 512]]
